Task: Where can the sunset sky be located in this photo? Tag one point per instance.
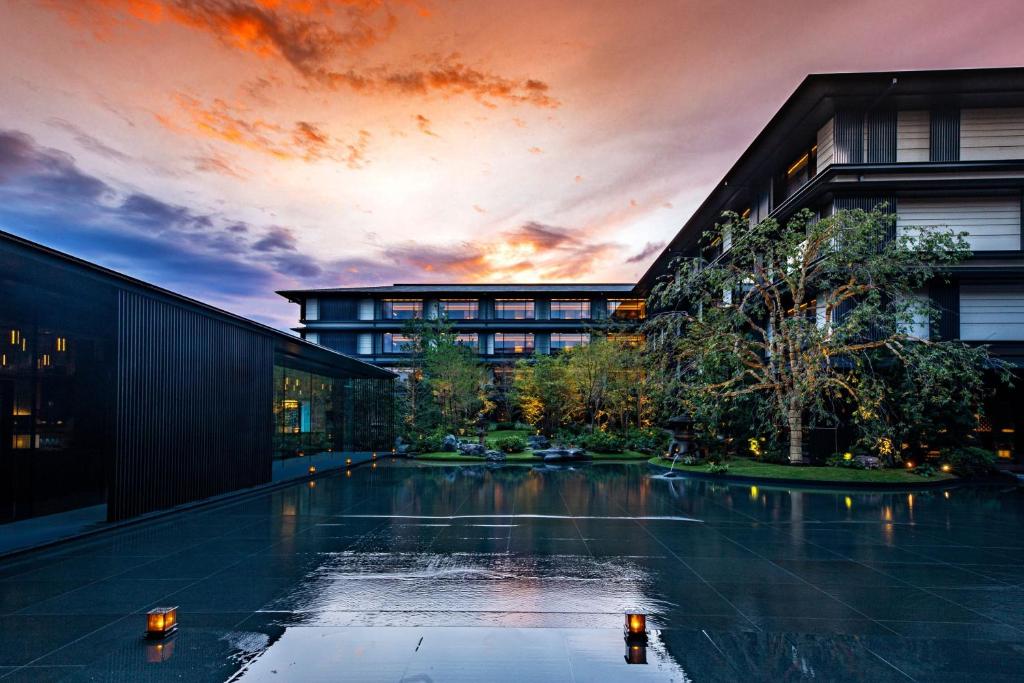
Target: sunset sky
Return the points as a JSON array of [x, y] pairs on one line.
[[225, 149]]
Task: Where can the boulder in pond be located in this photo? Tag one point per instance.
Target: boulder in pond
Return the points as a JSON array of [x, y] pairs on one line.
[[450, 443], [562, 454], [538, 441], [494, 456], [472, 449]]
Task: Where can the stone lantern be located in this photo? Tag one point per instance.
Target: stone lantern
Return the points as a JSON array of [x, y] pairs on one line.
[[481, 427], [683, 438]]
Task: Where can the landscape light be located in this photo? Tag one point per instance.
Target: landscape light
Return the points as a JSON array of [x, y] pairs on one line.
[[373, 457], [910, 465], [161, 622], [847, 455], [348, 461], [636, 654], [945, 467], [636, 628], [312, 469]]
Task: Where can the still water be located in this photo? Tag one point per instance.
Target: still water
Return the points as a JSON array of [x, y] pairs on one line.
[[410, 572]]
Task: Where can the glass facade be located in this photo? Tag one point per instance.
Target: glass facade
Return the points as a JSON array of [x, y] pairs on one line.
[[514, 309], [561, 341], [570, 309], [397, 343], [627, 309], [304, 413], [401, 309], [57, 352], [513, 343], [459, 309]]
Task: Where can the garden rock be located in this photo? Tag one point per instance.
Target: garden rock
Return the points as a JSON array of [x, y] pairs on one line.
[[472, 449], [868, 462], [450, 443], [538, 441], [562, 454], [495, 456]]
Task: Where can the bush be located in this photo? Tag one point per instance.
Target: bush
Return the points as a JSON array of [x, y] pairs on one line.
[[511, 444], [718, 468], [970, 461], [427, 443], [505, 425], [603, 442], [840, 460], [924, 470], [646, 440]]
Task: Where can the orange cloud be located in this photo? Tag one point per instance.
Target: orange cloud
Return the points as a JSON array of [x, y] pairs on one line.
[[423, 123], [234, 124], [311, 36], [535, 150]]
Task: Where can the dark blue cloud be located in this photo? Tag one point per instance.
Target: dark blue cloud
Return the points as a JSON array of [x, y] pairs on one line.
[[44, 196]]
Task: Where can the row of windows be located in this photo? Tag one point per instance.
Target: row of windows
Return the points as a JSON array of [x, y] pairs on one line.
[[504, 342], [511, 309]]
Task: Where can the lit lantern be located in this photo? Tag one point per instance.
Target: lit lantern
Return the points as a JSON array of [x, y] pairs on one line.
[[348, 461], [373, 457], [312, 470], [910, 465], [161, 622], [945, 468], [636, 628], [636, 654]]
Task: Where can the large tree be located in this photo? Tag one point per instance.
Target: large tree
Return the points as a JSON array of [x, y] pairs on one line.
[[808, 319], [450, 371]]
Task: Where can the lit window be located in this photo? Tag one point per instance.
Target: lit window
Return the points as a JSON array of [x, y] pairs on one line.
[[401, 309], [513, 309], [631, 340], [567, 340], [458, 309], [397, 343], [627, 309], [570, 309], [513, 343]]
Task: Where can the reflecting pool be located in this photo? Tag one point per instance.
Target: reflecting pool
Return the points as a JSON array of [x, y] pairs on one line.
[[414, 572]]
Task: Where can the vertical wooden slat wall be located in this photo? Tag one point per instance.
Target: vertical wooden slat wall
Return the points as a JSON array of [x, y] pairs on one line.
[[194, 407], [944, 135]]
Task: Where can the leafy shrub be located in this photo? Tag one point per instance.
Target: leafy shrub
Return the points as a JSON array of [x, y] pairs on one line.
[[970, 461], [603, 442], [646, 440], [429, 442], [840, 460], [690, 460], [924, 470], [511, 444], [505, 425], [718, 468]]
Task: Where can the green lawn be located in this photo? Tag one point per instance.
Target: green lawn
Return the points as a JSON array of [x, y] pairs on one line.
[[743, 467], [526, 456]]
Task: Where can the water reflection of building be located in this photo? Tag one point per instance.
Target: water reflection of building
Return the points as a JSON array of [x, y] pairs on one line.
[[120, 398]]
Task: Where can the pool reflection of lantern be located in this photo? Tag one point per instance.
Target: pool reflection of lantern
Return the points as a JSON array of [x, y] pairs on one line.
[[636, 628], [161, 622], [159, 652], [636, 654]]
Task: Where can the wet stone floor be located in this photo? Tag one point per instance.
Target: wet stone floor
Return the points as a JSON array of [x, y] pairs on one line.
[[410, 572]]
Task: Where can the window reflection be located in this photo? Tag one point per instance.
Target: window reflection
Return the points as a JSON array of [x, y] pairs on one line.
[[513, 309]]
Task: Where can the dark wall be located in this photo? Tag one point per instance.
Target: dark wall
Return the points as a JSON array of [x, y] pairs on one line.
[[195, 399]]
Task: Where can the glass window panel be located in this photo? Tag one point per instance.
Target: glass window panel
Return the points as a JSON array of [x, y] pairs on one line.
[[397, 343], [459, 309], [627, 309], [570, 309], [401, 309], [509, 343], [470, 339], [513, 309], [567, 340]]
